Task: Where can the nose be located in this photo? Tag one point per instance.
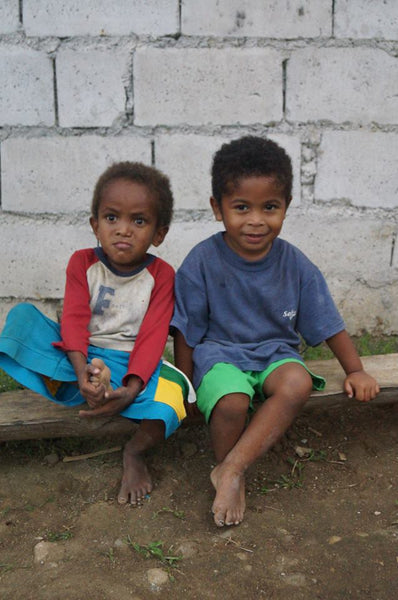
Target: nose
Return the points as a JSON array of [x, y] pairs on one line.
[[124, 227], [256, 218]]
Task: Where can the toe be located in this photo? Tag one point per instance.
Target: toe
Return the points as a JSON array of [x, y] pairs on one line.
[[219, 518], [123, 496]]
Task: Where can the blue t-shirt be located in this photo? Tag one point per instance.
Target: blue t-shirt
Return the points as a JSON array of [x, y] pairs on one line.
[[247, 312]]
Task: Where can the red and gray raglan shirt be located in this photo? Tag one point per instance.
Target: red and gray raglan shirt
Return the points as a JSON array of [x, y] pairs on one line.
[[130, 312]]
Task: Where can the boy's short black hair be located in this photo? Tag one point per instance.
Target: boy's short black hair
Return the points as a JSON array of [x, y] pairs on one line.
[[250, 156], [157, 183]]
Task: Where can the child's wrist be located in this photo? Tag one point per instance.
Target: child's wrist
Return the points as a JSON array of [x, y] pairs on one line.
[[134, 384]]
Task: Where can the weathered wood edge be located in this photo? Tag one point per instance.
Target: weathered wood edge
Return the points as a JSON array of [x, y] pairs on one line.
[[25, 415]]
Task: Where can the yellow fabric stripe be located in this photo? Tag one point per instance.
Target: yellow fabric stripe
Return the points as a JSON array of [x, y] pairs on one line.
[[170, 393], [52, 385]]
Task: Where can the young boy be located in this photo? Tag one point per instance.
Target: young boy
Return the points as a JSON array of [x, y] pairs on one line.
[[243, 296], [118, 303]]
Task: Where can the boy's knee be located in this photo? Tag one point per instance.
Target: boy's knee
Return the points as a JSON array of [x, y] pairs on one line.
[[23, 308], [293, 382], [232, 406]]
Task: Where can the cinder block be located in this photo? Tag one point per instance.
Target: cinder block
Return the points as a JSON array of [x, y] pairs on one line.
[[91, 86], [272, 19], [359, 167], [100, 17], [187, 160], [366, 19], [367, 308], [354, 247], [342, 84], [9, 16], [353, 253], [48, 243], [204, 86], [58, 174], [26, 94], [182, 237]]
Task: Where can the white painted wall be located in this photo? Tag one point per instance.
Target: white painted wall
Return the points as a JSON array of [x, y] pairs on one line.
[[166, 82]]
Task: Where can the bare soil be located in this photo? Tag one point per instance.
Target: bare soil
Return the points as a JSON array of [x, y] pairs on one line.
[[321, 526]]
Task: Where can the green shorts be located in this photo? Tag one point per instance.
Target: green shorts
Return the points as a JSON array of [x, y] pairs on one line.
[[225, 378]]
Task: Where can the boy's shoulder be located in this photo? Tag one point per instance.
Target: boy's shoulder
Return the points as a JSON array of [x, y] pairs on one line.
[[205, 246], [159, 265], [84, 256], [290, 250], [203, 253]]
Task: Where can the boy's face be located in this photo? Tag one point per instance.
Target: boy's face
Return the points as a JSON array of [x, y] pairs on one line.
[[127, 224], [252, 213]]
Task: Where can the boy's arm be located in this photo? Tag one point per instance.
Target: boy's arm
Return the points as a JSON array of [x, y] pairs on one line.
[[74, 325], [183, 355], [358, 383], [76, 312], [152, 336]]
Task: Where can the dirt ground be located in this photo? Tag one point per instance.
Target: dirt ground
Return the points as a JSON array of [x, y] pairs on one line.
[[321, 526]]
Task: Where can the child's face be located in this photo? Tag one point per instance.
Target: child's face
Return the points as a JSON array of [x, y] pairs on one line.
[[127, 224], [253, 214]]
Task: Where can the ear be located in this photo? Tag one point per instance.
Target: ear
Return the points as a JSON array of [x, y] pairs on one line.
[[94, 226], [216, 209], [159, 236], [288, 204]]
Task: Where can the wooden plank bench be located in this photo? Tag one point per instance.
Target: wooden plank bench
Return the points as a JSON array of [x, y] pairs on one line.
[[26, 415]]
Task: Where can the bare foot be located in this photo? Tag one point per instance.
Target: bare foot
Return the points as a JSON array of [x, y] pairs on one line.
[[104, 376], [229, 504], [136, 481]]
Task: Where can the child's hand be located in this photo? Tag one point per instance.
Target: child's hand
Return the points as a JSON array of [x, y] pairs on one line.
[[361, 386], [92, 391], [116, 400]]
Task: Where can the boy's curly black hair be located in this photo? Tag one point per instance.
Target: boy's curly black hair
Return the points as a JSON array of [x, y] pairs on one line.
[[157, 183], [250, 156]]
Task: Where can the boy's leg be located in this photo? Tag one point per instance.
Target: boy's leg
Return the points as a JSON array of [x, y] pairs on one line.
[[136, 480], [227, 422], [288, 389], [159, 408]]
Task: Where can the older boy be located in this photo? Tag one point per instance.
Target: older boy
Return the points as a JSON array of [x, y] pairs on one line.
[[243, 297]]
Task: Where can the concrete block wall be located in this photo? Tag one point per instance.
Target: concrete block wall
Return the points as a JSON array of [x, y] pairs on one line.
[[166, 82]]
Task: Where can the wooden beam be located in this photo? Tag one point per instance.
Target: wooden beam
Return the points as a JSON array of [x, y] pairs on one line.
[[26, 415]]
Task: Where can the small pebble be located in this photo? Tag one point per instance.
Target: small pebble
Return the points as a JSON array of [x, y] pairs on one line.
[[157, 578], [51, 459], [334, 539], [187, 549], [295, 579]]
